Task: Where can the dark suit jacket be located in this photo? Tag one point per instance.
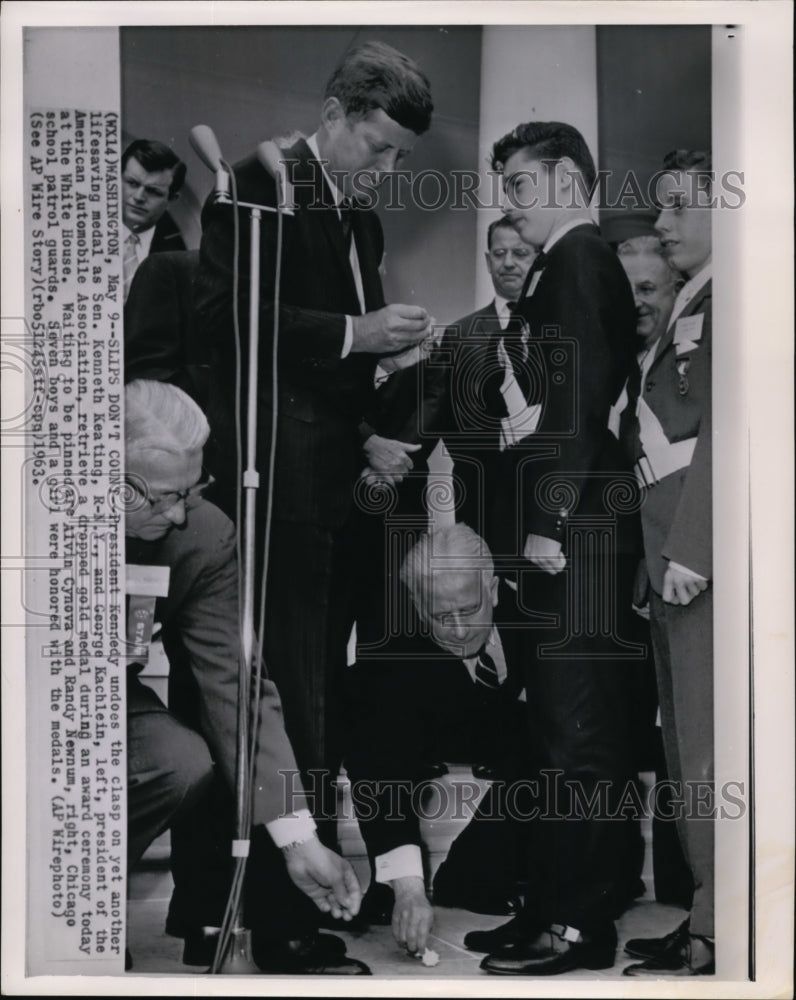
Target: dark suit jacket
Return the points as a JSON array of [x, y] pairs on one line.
[[677, 514], [167, 236], [160, 328], [582, 324], [401, 693], [466, 418], [200, 637], [322, 398]]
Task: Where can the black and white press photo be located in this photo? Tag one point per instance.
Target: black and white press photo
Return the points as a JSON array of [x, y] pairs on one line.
[[395, 499]]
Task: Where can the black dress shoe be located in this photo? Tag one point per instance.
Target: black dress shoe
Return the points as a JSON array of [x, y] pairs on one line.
[[552, 953], [307, 956], [200, 945], [693, 956], [515, 931], [655, 947]]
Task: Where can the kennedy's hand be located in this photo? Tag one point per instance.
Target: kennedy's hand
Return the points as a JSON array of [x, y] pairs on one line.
[[681, 586], [325, 877], [545, 553], [389, 330], [412, 915], [412, 355], [389, 459]]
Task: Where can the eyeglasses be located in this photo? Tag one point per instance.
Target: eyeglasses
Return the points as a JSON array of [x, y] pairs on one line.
[[166, 501]]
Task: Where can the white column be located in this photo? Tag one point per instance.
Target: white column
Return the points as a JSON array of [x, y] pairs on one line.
[[531, 73]]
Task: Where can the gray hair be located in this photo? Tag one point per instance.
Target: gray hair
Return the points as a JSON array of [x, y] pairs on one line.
[[162, 418], [454, 547]]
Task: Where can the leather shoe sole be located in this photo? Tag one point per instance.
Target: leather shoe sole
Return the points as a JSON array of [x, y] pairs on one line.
[[549, 962], [549, 955]]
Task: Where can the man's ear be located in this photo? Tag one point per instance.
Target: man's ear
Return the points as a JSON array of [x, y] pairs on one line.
[[564, 170], [332, 113], [175, 196], [494, 583]]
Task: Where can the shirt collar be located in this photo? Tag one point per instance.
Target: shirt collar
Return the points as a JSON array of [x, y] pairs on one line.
[[690, 289], [337, 194], [562, 230], [144, 240], [502, 305]]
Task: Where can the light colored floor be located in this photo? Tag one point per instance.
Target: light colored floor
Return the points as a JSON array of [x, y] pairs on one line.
[[154, 952]]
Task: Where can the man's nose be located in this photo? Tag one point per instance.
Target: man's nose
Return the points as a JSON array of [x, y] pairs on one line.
[[509, 262], [175, 513], [661, 223], [459, 629]]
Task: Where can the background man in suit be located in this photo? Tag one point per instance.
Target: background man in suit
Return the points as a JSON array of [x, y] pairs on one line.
[[152, 175], [167, 523], [444, 666], [556, 468], [469, 353], [334, 326], [668, 434]]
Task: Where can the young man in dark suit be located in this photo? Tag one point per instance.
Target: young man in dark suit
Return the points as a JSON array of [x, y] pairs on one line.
[[152, 175], [668, 434], [334, 326], [562, 499]]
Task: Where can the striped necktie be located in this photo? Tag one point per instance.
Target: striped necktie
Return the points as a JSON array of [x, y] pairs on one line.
[[130, 261], [486, 672]]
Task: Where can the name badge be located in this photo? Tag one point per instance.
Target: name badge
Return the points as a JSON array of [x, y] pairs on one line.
[[689, 328]]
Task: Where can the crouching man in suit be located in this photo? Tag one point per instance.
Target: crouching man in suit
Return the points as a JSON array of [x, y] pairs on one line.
[[170, 759], [440, 653]]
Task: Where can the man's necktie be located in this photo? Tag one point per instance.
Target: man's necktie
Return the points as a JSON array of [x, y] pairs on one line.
[[130, 261], [485, 670], [347, 221], [539, 262], [515, 341]]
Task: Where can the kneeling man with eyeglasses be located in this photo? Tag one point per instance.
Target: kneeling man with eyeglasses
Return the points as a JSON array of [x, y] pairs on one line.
[[177, 757]]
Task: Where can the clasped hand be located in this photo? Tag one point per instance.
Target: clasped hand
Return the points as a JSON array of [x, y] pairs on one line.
[[388, 460]]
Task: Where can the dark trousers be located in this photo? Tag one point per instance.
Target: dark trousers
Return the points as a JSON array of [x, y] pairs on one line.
[[682, 639], [583, 851], [168, 768], [202, 869], [308, 622]]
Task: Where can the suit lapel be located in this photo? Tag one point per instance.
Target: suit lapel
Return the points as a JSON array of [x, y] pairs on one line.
[[321, 205], [693, 306]]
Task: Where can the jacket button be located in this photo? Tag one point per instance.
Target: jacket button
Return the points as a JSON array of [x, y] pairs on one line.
[[650, 385]]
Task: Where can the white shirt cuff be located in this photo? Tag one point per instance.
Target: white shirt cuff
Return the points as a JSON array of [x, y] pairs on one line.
[[291, 829], [687, 571], [348, 341], [400, 862]]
